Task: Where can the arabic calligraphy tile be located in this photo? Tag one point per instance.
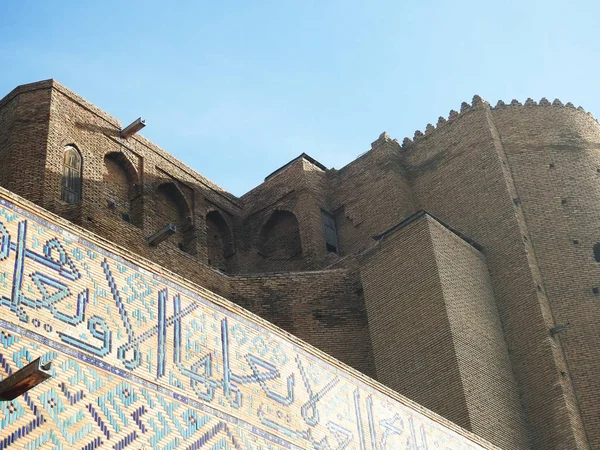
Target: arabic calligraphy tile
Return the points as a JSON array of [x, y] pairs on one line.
[[303, 401]]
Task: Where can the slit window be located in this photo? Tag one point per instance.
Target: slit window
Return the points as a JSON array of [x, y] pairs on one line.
[[330, 231]]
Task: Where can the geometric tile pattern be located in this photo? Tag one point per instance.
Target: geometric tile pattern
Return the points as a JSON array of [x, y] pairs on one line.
[[142, 362]]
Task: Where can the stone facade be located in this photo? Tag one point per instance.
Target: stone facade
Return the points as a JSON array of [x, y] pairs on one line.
[[442, 267]]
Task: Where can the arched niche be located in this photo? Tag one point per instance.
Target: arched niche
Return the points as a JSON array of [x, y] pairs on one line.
[[172, 207], [122, 188], [219, 240], [279, 239]]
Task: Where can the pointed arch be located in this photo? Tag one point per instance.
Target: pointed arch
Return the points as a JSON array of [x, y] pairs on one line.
[[71, 175], [122, 188], [279, 239], [219, 240], [172, 207]]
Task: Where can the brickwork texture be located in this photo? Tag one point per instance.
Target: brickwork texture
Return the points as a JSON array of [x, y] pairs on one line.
[[458, 268], [144, 360]]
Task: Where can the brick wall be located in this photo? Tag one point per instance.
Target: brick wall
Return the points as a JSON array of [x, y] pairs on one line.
[[412, 340], [298, 188], [553, 153], [324, 308], [491, 392], [436, 333], [219, 240], [370, 195], [8, 108], [24, 123], [459, 173], [121, 185], [183, 199]]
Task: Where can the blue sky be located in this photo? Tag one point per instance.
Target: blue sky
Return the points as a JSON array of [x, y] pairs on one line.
[[236, 89]]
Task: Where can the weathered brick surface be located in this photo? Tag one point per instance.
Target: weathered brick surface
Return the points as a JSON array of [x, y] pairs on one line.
[[553, 156], [460, 174], [8, 108], [219, 239], [521, 181], [168, 191], [24, 120], [324, 308], [409, 292], [370, 195], [297, 189], [491, 392], [452, 318]]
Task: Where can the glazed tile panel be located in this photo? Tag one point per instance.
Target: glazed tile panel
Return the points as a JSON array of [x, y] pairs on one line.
[[141, 362]]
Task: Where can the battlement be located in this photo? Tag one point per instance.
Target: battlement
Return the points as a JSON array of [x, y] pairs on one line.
[[478, 102]]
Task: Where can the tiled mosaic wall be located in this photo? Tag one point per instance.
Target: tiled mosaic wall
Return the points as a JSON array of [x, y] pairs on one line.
[[141, 362]]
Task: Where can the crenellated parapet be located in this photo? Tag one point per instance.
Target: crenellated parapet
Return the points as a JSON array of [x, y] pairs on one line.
[[544, 102], [477, 102], [442, 121]]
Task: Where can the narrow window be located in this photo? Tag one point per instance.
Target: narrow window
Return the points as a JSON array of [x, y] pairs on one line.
[[71, 177], [329, 228], [597, 252]]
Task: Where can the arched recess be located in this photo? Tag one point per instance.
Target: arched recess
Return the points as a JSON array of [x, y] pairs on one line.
[[122, 188], [172, 207], [219, 240], [71, 175], [279, 239]]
